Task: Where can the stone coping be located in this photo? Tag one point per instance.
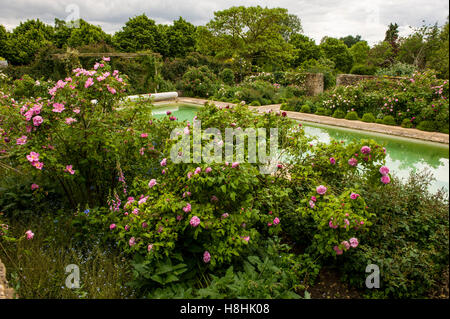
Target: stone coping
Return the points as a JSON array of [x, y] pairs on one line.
[[331, 121]]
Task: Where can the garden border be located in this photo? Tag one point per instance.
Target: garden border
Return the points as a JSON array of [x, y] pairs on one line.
[[327, 120]]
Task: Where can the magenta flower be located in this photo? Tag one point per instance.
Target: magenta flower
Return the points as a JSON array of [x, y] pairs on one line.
[[33, 157], [321, 190], [385, 179], [132, 241], [22, 140], [34, 186], [225, 215], [206, 257], [152, 183], [58, 107], [346, 244], [276, 221], [112, 226], [164, 162], [312, 204], [37, 120], [69, 169], [106, 59], [144, 135], [195, 221], [354, 196], [384, 170], [365, 149], [353, 161], [338, 250], [246, 238], [198, 170], [330, 223], [353, 242], [208, 170], [313, 198], [332, 160], [29, 234], [89, 82], [235, 164], [188, 208]]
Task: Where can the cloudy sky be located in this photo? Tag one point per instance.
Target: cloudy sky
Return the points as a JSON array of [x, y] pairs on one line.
[[338, 18]]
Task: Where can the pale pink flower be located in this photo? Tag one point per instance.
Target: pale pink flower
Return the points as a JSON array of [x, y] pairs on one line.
[[187, 208], [22, 140], [38, 165], [189, 175], [208, 170], [106, 59], [89, 82], [164, 162], [33, 157], [338, 250], [321, 190], [206, 257], [353, 242], [29, 234], [330, 223], [346, 244], [235, 164], [70, 120], [225, 215], [384, 170], [150, 248], [195, 221], [37, 120], [144, 135], [111, 90], [246, 238], [198, 170], [77, 111], [69, 169], [152, 183], [353, 161], [58, 107], [132, 241]]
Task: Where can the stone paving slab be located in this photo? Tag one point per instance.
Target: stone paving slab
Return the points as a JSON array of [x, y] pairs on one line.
[[328, 120]]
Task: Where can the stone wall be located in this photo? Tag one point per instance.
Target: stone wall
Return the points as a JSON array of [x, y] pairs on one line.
[[314, 83], [5, 292], [351, 79]]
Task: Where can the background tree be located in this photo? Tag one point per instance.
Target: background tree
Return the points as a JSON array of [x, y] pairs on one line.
[[255, 34], [381, 55], [305, 49], [360, 52], [392, 38], [87, 34], [439, 58], [139, 33], [3, 40], [26, 40], [181, 38], [336, 51], [351, 40]]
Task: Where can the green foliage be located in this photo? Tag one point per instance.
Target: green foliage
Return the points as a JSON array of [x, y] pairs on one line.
[[304, 49], [350, 41], [389, 120], [336, 51], [352, 116], [363, 69], [368, 118], [339, 114], [139, 33], [427, 126], [360, 52], [321, 111], [305, 109], [198, 82], [227, 76], [398, 69], [406, 123]]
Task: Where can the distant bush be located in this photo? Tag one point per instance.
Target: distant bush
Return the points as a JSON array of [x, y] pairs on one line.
[[368, 118], [352, 116], [321, 111], [389, 120], [363, 69], [426, 126], [406, 123], [397, 69], [305, 109], [379, 121], [255, 103], [227, 76], [339, 114]]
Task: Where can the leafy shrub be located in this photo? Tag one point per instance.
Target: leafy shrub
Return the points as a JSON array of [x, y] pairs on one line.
[[339, 114], [255, 103], [406, 123], [198, 82], [227, 76], [379, 121], [368, 118], [398, 69], [305, 109], [363, 69], [321, 111], [389, 120], [352, 116], [426, 126]]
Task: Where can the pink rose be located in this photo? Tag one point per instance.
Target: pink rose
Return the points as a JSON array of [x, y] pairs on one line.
[[195, 221], [235, 164], [29, 234], [164, 162], [353, 242], [197, 171], [132, 241], [346, 244], [332, 160], [208, 170], [206, 257], [112, 226], [276, 221], [385, 179], [37, 120], [365, 150], [150, 248], [152, 183], [34, 186], [321, 190], [22, 140], [354, 196], [384, 170], [353, 161], [188, 208], [338, 250]]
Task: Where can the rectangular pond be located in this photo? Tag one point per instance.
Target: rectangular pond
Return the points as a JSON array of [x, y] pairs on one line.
[[403, 155]]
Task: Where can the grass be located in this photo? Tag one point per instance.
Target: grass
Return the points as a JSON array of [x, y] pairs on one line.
[[36, 268]]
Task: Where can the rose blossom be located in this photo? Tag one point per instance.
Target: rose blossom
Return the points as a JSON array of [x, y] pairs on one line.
[[34, 186], [353, 161], [354, 196], [29, 234], [321, 190], [206, 257], [353, 242], [152, 183], [332, 160], [195, 221], [365, 150], [385, 179], [384, 170], [37, 120], [112, 226]]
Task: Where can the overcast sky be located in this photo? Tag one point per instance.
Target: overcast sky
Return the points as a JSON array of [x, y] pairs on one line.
[[369, 18]]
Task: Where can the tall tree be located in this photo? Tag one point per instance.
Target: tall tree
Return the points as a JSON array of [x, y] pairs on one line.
[[351, 40], [87, 33], [26, 39], [336, 51], [392, 37], [360, 52], [255, 34], [304, 49], [139, 33], [181, 38], [3, 40]]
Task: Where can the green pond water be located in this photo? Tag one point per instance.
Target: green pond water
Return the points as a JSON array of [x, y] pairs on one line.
[[403, 155]]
